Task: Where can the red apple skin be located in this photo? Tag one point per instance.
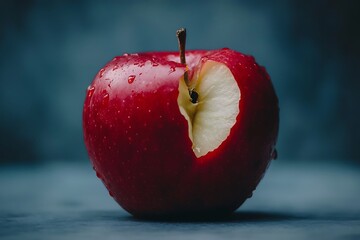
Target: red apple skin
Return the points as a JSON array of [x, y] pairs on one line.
[[139, 145]]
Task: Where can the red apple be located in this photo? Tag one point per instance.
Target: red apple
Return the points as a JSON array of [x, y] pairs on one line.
[[160, 151]]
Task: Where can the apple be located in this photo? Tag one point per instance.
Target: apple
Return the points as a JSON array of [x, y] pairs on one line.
[[181, 133]]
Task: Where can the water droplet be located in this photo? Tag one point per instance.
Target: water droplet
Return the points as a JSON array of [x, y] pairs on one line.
[[141, 64], [131, 79], [90, 90], [154, 64], [115, 58], [115, 67], [98, 175], [125, 54], [128, 116], [129, 139], [172, 69], [149, 110], [274, 154], [105, 99], [111, 194], [101, 73], [204, 59]]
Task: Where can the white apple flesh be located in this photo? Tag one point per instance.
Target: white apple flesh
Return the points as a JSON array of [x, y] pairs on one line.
[[213, 115]]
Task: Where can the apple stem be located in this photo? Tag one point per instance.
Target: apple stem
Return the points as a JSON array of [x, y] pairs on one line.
[[181, 36]]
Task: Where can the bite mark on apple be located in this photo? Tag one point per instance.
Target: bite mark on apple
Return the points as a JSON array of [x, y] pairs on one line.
[[212, 116]]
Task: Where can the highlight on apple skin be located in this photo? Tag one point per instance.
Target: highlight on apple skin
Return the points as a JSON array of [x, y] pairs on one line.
[[173, 139]]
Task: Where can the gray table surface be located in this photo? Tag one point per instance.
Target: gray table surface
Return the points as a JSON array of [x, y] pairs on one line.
[[67, 201]]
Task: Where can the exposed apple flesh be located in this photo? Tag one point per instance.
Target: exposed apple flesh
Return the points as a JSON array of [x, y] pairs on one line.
[[141, 144], [212, 116]]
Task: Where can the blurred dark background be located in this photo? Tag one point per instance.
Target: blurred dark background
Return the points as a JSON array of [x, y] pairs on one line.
[[51, 50]]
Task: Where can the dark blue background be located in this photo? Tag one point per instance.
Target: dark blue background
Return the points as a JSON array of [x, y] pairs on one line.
[[51, 50]]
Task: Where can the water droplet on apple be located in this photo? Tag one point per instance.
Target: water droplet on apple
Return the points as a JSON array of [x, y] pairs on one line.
[[105, 99], [204, 59], [98, 175], [149, 110], [111, 194], [90, 90], [131, 79], [274, 154], [115, 58], [101, 73], [115, 67], [172, 69], [154, 64], [125, 54]]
